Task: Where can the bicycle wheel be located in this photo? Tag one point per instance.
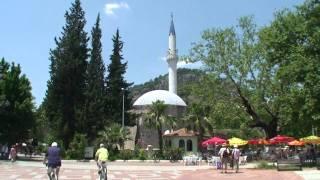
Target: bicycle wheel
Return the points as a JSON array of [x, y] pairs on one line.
[[103, 174], [52, 176]]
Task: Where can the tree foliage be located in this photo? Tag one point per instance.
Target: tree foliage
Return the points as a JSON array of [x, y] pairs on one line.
[[157, 118], [233, 56], [116, 84], [114, 135], [271, 74], [65, 95], [291, 48], [95, 89], [16, 106]]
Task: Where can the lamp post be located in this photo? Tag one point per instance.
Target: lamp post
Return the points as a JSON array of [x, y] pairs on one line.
[[122, 89]]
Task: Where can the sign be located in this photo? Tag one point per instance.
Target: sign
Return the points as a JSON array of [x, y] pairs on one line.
[[88, 152]]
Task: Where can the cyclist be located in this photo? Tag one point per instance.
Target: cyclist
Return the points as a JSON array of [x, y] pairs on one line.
[[101, 156], [54, 159]]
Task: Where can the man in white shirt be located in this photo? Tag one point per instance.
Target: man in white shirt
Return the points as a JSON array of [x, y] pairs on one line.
[[236, 156], [224, 154]]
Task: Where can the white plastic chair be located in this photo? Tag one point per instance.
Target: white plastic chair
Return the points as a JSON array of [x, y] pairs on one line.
[[243, 160], [210, 161]]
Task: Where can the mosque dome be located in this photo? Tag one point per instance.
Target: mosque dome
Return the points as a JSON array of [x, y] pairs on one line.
[[167, 97]]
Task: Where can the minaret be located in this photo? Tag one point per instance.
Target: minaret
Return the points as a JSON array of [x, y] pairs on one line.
[[172, 59]]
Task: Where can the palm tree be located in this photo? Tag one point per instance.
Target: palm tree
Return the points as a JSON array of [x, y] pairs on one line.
[[113, 135], [196, 119], [156, 118]]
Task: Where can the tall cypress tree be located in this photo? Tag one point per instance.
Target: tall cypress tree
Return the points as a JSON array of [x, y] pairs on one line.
[[65, 95], [115, 82], [95, 91]]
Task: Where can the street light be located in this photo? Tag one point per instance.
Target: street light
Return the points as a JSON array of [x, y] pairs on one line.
[[122, 89]]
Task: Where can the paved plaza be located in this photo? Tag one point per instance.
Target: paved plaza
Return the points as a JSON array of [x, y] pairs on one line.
[[72, 170]]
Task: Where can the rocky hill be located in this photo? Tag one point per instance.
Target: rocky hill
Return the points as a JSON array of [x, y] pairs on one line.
[[186, 77]]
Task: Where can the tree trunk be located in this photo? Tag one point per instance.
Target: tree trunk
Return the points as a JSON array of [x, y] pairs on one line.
[[269, 128], [160, 137]]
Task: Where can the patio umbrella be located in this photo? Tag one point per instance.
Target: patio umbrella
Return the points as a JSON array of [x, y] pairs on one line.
[[237, 141], [214, 141], [311, 139], [296, 143], [280, 139], [258, 142]]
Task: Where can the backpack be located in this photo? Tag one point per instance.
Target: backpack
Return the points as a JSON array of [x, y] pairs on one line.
[[225, 153]]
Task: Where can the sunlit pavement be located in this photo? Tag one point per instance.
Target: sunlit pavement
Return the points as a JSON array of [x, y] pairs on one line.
[[27, 170]]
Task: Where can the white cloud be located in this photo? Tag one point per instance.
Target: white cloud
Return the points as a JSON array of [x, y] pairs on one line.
[[109, 8], [181, 64], [184, 64]]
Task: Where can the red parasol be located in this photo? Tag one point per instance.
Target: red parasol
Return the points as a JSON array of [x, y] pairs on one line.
[[258, 142], [213, 140], [280, 139]]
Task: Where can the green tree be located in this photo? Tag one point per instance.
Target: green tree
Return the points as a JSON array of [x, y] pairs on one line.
[[156, 118], [77, 146], [65, 94], [16, 106], [291, 48], [114, 135], [95, 90], [212, 108], [197, 119], [41, 127], [233, 55], [115, 82]]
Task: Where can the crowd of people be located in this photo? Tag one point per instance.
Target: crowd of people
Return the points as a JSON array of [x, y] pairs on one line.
[[11, 151]]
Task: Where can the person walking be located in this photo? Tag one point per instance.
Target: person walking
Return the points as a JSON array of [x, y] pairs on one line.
[[224, 154], [13, 153], [236, 157], [54, 160]]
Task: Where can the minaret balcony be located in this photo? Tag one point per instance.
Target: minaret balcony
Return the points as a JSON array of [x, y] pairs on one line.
[[171, 55]]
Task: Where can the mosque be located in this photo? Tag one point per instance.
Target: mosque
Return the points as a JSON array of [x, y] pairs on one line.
[[176, 106]]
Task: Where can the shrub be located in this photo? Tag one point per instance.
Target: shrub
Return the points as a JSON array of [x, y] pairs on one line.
[[77, 146], [112, 157], [142, 155], [126, 154], [173, 154], [264, 165]]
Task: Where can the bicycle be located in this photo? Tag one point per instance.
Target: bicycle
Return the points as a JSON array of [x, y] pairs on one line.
[[102, 170], [52, 172], [156, 157]]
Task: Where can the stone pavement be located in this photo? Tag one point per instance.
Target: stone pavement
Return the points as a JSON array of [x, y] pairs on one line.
[[72, 170], [309, 174]]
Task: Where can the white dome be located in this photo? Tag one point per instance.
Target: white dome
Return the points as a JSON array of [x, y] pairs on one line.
[[162, 95]]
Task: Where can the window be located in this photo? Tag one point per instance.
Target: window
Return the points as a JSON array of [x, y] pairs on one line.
[[189, 145], [181, 144], [168, 143]]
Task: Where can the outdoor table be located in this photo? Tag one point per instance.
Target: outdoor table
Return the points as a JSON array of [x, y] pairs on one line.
[[193, 160]]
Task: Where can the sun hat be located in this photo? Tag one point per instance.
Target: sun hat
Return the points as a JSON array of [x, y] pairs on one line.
[[54, 144]]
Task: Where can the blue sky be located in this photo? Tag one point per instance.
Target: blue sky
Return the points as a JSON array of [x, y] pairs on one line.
[[28, 29]]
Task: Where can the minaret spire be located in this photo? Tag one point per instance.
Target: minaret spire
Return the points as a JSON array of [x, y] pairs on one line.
[[172, 31], [172, 58]]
